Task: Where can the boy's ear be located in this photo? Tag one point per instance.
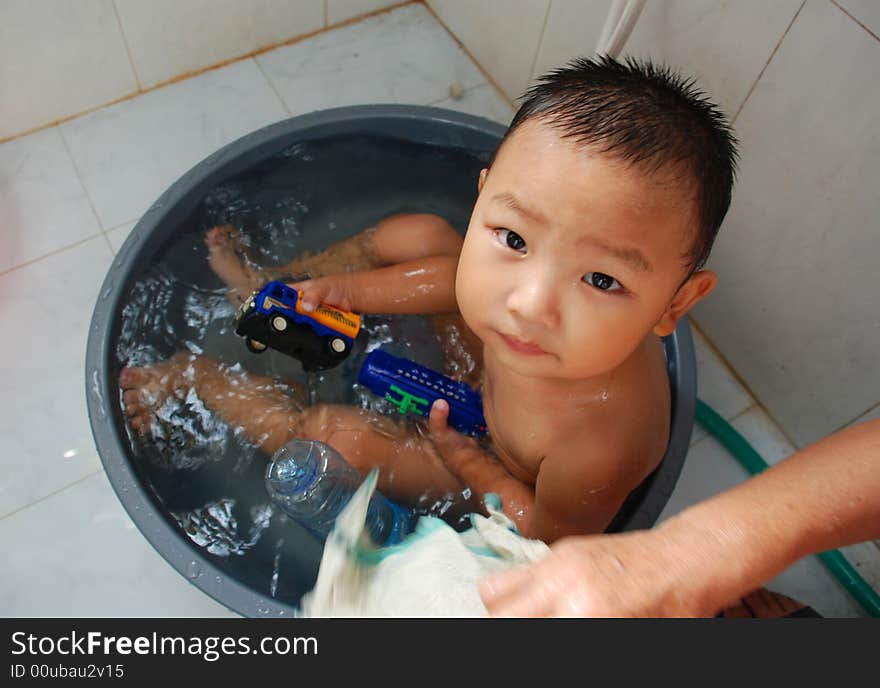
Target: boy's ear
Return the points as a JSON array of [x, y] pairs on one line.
[[697, 287], [482, 179]]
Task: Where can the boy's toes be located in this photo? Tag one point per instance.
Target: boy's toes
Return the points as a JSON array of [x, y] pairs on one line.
[[217, 237], [139, 424], [131, 377]]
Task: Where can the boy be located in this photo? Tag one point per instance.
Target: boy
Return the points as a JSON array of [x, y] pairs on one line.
[[585, 246]]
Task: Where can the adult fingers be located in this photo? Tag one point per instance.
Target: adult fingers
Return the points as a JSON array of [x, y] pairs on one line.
[[497, 586], [516, 593]]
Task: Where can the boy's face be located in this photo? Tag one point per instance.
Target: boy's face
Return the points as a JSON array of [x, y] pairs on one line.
[[571, 259]]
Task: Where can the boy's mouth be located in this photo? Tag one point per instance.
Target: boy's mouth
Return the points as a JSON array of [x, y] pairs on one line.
[[522, 346]]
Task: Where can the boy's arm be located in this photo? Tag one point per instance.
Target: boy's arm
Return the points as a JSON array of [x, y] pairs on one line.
[[564, 501], [580, 488], [481, 472], [424, 285]]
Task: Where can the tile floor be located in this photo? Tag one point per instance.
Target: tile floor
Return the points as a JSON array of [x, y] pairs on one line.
[[69, 195]]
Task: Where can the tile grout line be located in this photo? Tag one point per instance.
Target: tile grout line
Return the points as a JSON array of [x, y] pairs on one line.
[[842, 9], [51, 253], [870, 409], [540, 42], [741, 382], [488, 77], [767, 64], [82, 183], [204, 70], [112, 250], [467, 90], [730, 421], [137, 78], [51, 494], [271, 85]]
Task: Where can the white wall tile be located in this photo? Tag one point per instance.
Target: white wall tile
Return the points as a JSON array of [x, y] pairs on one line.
[[168, 38], [866, 12], [725, 45], [128, 154], [403, 56], [340, 10], [716, 384], [573, 29], [764, 435], [796, 312], [78, 554], [58, 58], [483, 101], [502, 36], [43, 205], [45, 439]]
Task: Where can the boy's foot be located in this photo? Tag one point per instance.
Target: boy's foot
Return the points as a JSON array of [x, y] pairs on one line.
[[145, 389], [229, 391], [227, 257]]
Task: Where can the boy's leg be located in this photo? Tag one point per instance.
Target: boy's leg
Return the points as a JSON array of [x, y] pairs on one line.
[[270, 415], [267, 410], [395, 239]]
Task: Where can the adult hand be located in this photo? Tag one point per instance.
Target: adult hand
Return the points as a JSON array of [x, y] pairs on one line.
[[625, 575]]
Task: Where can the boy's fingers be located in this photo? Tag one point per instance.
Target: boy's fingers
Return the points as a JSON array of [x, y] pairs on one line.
[[438, 416], [308, 297]]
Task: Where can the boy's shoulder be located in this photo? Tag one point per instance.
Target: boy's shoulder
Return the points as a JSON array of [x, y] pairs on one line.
[[613, 444]]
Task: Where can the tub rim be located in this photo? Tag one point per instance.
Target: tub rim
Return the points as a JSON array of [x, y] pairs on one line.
[[422, 124]]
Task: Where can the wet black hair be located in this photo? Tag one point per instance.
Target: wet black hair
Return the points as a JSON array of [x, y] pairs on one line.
[[648, 116]]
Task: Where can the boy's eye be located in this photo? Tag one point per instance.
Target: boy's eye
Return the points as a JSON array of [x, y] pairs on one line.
[[511, 240], [600, 280]]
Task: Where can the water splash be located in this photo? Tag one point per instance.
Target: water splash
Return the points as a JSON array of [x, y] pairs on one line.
[[215, 528], [282, 209]]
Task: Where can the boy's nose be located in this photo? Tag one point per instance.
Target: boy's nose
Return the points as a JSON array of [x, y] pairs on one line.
[[535, 302]]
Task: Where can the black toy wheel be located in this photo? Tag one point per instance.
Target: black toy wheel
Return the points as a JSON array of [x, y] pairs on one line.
[[254, 346]]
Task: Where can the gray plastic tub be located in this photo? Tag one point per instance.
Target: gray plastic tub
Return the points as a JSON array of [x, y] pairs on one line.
[[142, 497]]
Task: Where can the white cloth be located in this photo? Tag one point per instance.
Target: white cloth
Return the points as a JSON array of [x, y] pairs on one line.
[[433, 572]]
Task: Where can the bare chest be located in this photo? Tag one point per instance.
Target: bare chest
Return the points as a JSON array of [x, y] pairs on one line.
[[523, 433]]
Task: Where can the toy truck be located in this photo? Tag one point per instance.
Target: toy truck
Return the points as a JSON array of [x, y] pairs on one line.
[[273, 318]]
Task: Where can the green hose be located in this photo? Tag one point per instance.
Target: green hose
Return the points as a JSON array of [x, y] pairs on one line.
[[834, 561]]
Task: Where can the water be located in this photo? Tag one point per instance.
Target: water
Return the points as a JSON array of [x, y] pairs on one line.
[[206, 476]]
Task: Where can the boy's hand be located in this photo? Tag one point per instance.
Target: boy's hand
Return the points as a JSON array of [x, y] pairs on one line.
[[334, 290], [477, 469], [454, 447]]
